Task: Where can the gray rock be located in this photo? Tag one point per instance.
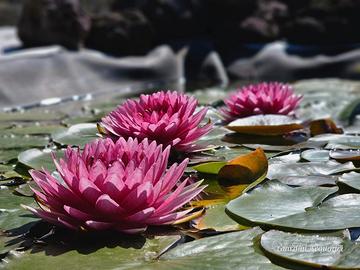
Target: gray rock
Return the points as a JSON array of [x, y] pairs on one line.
[[48, 22]]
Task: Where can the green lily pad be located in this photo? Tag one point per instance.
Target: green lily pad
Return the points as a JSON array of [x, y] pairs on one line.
[[31, 115], [315, 155], [77, 135], [279, 170], [8, 155], [12, 215], [320, 251], [229, 153], [308, 180], [270, 148], [237, 250], [82, 119], [38, 159], [210, 167], [20, 142], [216, 219], [338, 141], [5, 168], [285, 158], [325, 97], [214, 138], [114, 251], [351, 179], [31, 130], [211, 95], [279, 205], [345, 155]]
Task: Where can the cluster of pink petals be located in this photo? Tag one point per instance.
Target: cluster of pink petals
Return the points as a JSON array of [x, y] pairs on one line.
[[124, 186], [263, 98], [168, 118]]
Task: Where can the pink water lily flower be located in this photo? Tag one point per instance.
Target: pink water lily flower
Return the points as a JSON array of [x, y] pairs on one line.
[[166, 117], [262, 98], [124, 186]]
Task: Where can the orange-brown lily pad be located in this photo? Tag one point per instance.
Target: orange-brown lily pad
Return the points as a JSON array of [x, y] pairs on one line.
[[324, 126], [243, 172], [269, 124], [233, 177]]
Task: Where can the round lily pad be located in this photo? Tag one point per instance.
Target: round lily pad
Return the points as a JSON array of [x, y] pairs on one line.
[[76, 135], [316, 250]]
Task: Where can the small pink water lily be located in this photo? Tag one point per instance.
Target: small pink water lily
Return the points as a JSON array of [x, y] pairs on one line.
[[262, 98], [166, 117], [123, 186]]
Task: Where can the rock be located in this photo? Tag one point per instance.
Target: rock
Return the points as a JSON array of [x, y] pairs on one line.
[[48, 22], [125, 33]]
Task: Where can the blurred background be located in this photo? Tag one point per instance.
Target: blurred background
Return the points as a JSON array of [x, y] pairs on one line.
[[61, 48]]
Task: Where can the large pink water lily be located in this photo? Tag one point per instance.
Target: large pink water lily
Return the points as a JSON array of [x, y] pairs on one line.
[[263, 98], [124, 186], [166, 117]]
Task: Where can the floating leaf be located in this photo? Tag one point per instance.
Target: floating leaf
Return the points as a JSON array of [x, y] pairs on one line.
[[12, 215], [244, 171], [308, 180], [215, 138], [210, 167], [315, 155], [278, 170], [345, 155], [278, 205], [350, 112], [5, 168], [242, 160], [102, 251], [38, 159], [287, 157], [31, 130], [77, 135], [322, 126], [270, 148], [351, 179], [216, 219], [235, 177], [8, 155], [339, 141], [290, 139], [267, 125], [31, 115], [208, 96], [237, 250], [213, 193], [318, 250], [20, 142], [275, 201]]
